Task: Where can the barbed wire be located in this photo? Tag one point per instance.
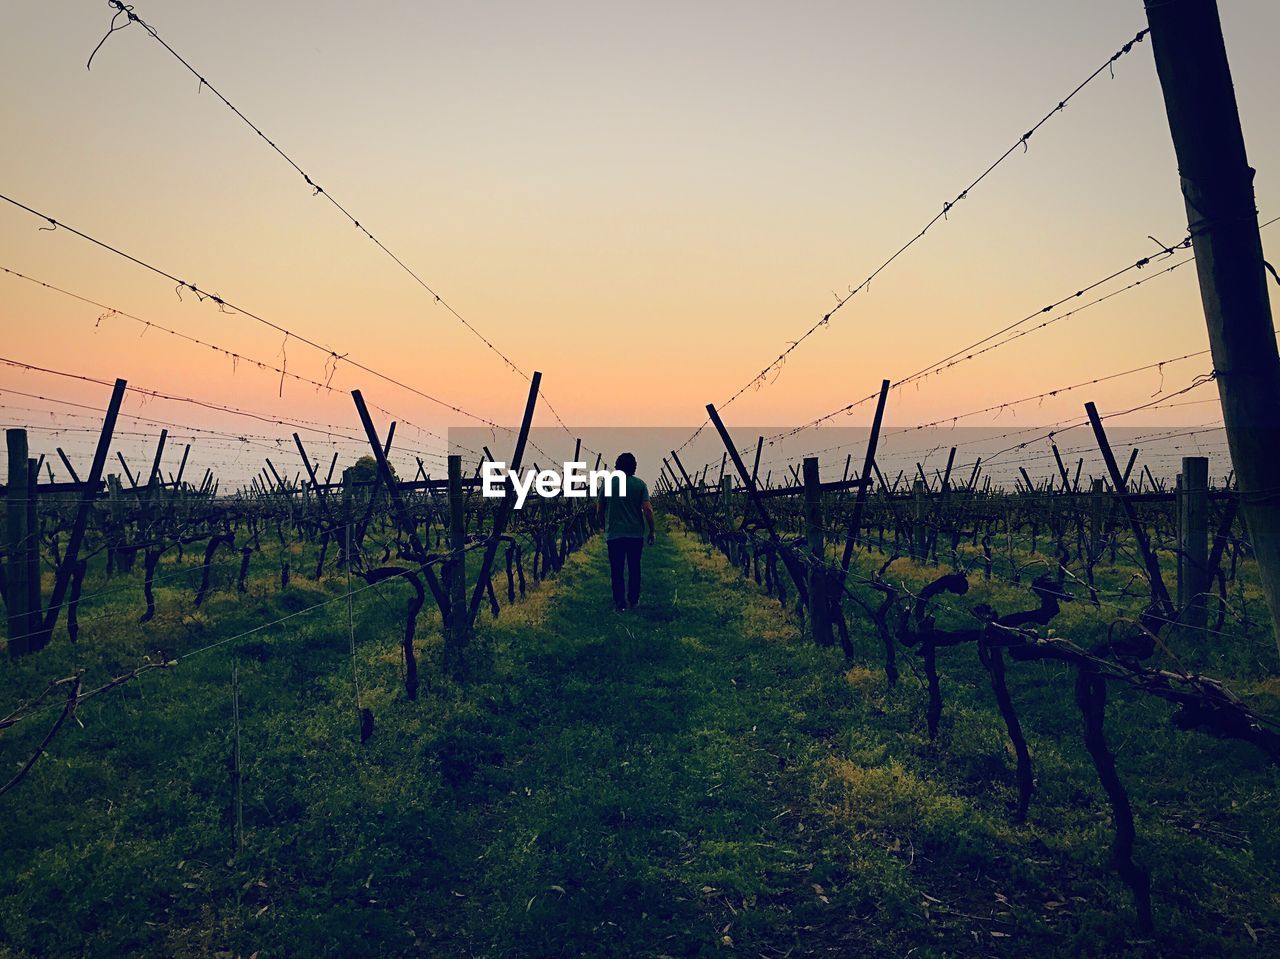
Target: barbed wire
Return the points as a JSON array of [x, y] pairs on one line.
[[235, 357], [1045, 431], [127, 10], [224, 305], [962, 356], [312, 426], [762, 377], [191, 430], [422, 430]]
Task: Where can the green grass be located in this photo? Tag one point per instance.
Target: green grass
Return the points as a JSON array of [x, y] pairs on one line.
[[690, 779]]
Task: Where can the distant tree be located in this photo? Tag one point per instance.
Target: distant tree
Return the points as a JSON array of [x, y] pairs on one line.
[[365, 470]]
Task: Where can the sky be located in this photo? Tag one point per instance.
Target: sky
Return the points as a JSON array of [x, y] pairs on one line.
[[646, 203]]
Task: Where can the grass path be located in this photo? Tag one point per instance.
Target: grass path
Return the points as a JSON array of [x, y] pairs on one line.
[[653, 754]]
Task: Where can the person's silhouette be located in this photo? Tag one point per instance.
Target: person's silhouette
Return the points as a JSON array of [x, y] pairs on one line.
[[626, 512]]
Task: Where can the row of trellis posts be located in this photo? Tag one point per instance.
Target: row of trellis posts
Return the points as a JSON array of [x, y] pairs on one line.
[[1192, 496], [30, 622]]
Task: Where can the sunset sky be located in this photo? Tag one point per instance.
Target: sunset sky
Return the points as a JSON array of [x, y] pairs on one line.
[[644, 202]]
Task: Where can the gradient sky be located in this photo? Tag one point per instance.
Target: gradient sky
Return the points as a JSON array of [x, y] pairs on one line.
[[645, 202]]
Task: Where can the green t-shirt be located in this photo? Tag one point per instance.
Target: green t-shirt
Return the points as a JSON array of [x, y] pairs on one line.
[[622, 514]]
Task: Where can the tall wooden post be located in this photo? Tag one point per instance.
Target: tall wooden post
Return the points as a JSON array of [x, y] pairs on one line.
[[503, 513], [683, 472], [1177, 522], [1217, 185], [155, 477], [67, 465], [920, 536], [1159, 593], [819, 610], [348, 513], [727, 514], [115, 507], [1097, 520], [93, 486], [753, 496], [1133, 458], [18, 570], [182, 466], [860, 500], [1193, 539], [456, 635], [35, 602]]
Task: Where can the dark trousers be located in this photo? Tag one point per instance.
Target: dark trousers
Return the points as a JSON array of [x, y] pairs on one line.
[[625, 550]]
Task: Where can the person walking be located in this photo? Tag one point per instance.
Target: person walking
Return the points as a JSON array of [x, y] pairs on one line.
[[626, 513]]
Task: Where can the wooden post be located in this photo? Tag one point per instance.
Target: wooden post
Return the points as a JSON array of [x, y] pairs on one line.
[[1158, 591], [457, 629], [1097, 512], [726, 513], [182, 466], [1177, 523], [666, 467], [1146, 471], [1133, 458], [280, 484], [860, 500], [17, 538], [403, 516], [67, 464], [155, 476], [503, 512], [93, 484], [683, 472], [819, 610], [1062, 469], [1217, 186], [133, 482], [348, 513], [1008, 529], [753, 494], [321, 497], [35, 602], [1193, 539], [920, 536]]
